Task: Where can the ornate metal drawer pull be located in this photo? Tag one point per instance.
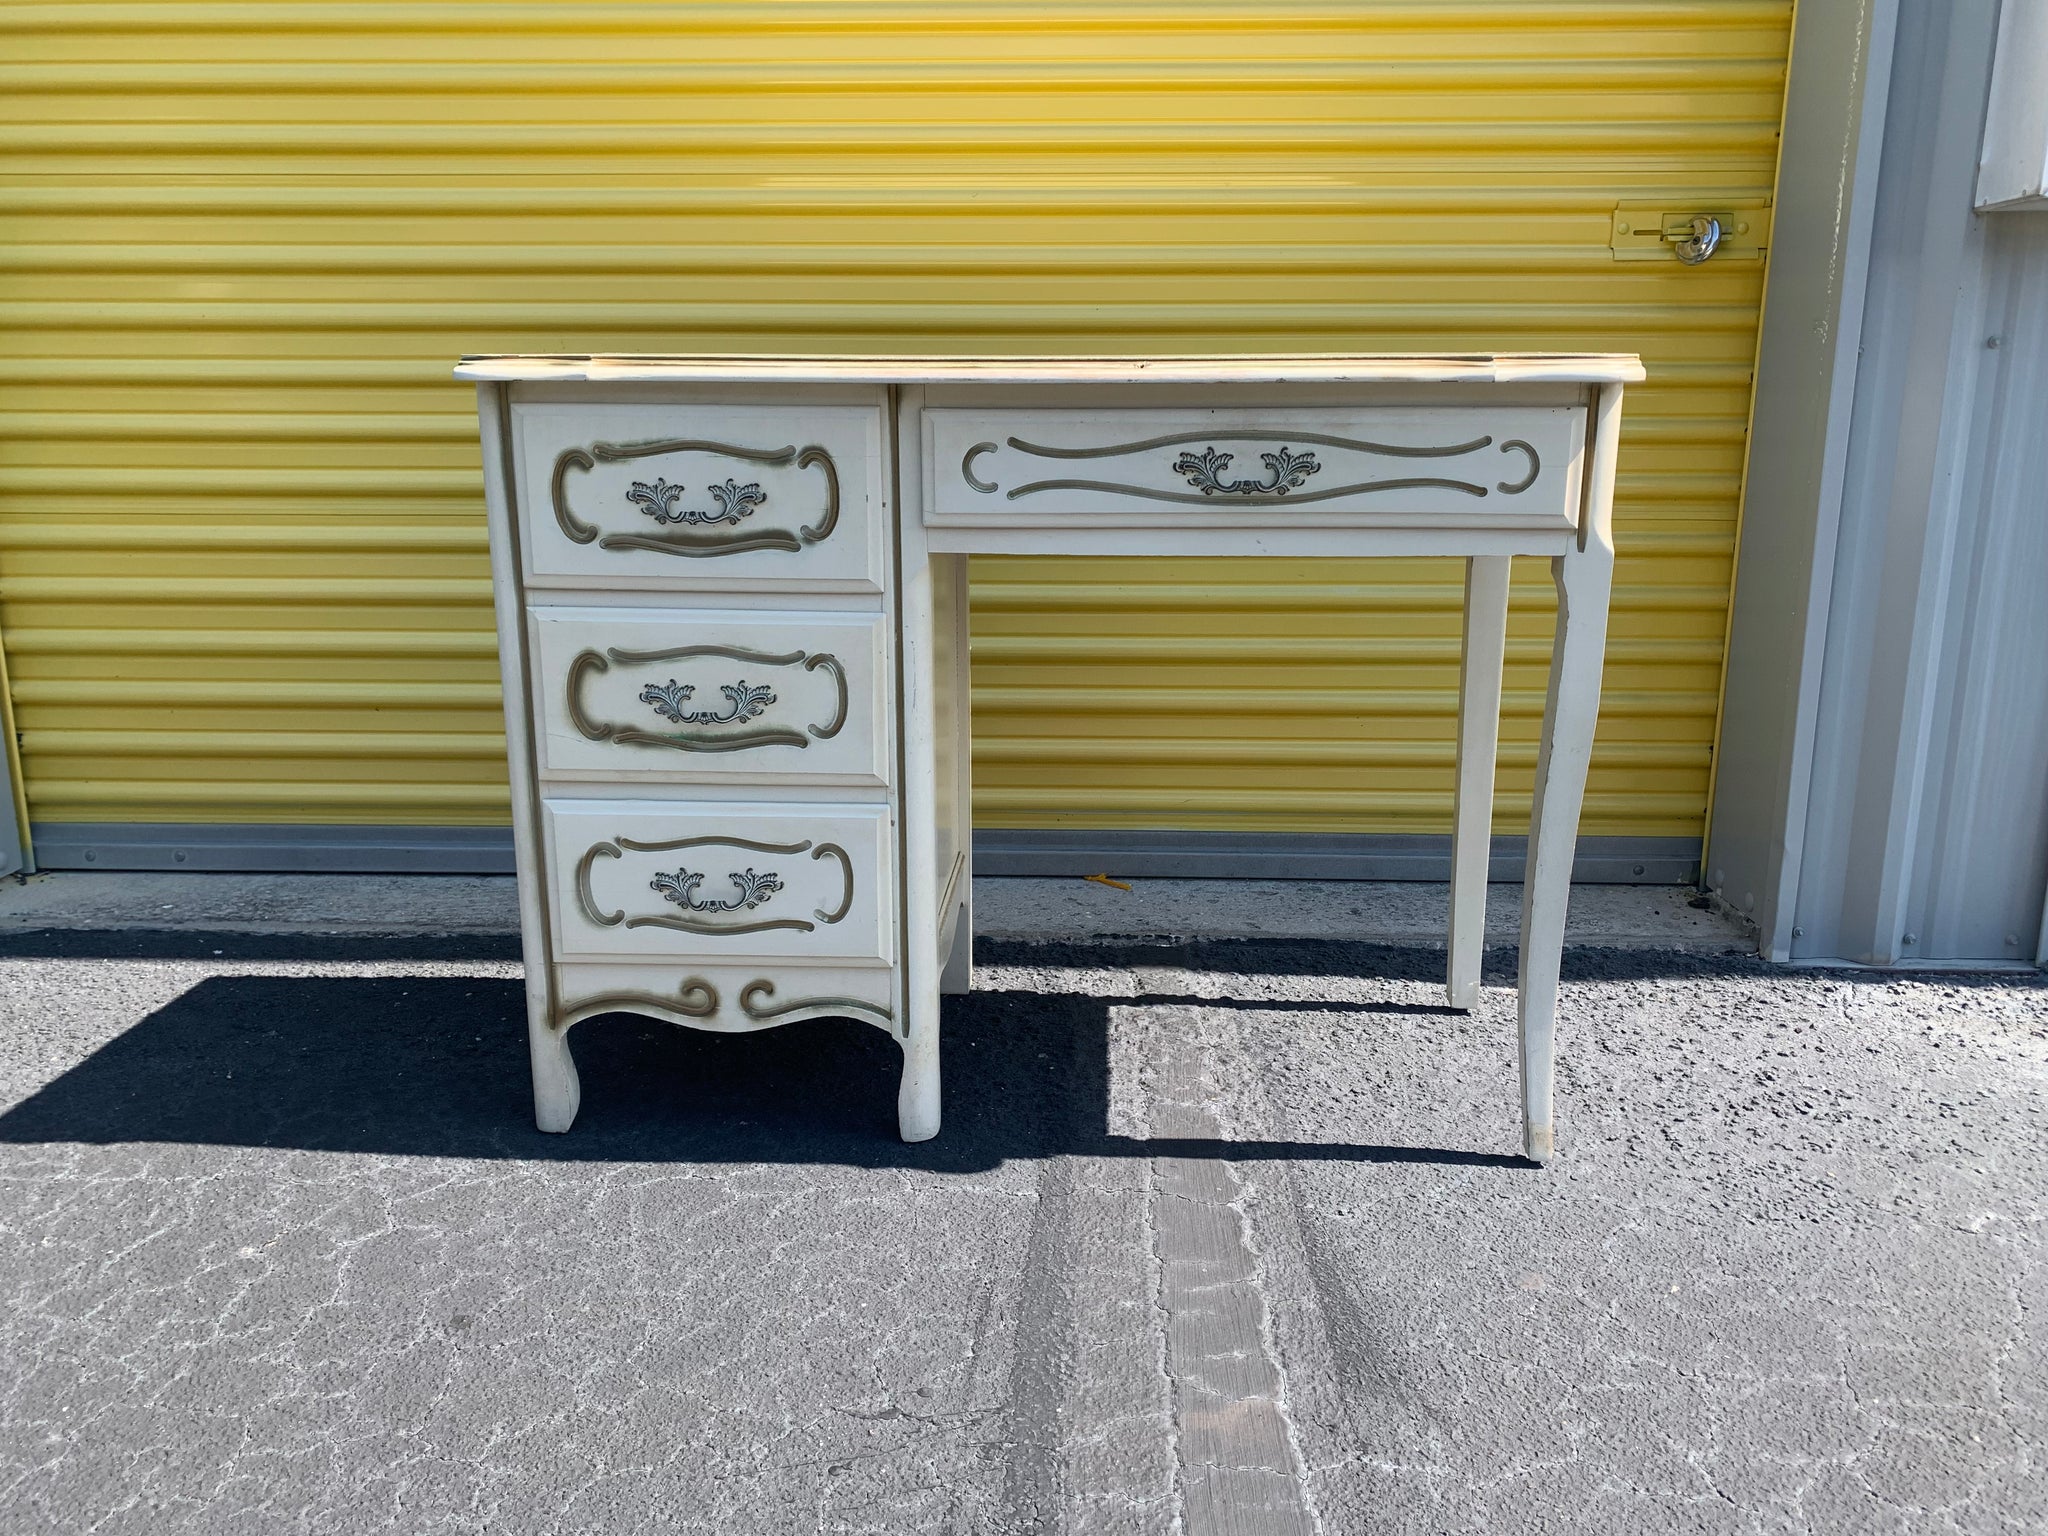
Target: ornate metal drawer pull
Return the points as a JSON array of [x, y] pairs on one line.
[[753, 890], [657, 500], [746, 702], [1285, 471]]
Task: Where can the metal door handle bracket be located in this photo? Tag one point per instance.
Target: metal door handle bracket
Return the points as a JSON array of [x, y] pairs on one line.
[[1727, 232]]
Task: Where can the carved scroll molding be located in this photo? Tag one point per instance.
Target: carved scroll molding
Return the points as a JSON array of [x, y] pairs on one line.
[[696, 998], [587, 898], [588, 663], [838, 913], [1516, 487], [986, 487], [753, 888], [754, 1004], [658, 499], [1206, 466]]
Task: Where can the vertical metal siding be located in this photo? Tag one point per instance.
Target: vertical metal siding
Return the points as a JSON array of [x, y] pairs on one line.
[[1924, 834], [242, 569]]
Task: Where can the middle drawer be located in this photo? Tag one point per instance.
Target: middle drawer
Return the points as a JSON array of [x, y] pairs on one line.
[[662, 880], [704, 696]]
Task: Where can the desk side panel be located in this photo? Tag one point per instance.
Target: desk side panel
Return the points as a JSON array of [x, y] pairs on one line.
[[509, 604]]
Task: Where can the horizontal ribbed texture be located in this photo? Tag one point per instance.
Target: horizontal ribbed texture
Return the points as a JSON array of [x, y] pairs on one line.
[[242, 566]]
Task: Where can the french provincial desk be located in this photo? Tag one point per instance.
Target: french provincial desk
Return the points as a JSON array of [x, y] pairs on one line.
[[732, 619]]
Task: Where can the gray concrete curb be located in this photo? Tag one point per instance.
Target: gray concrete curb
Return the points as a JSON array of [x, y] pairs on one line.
[[1071, 910]]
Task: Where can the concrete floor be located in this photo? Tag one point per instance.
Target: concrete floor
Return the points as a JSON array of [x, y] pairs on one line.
[[1380, 911], [1223, 1235]]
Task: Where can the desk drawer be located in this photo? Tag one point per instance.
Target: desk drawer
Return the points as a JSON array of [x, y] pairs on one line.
[[1261, 466], [704, 995], [662, 880], [710, 696], [748, 497]]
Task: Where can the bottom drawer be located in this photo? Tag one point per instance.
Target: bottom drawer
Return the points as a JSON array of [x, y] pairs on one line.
[[727, 997], [656, 880]]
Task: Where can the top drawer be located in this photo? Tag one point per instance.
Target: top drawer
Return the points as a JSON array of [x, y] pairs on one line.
[[689, 494], [1253, 466]]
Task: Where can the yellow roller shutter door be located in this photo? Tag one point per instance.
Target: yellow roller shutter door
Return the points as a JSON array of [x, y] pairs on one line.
[[242, 568]]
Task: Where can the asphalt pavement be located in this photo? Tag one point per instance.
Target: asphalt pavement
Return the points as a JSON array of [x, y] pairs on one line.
[[1222, 1235]]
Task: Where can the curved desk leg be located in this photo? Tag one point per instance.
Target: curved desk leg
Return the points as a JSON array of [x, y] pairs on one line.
[[957, 975], [557, 1092], [1486, 633], [1570, 710], [917, 1097], [917, 1093]]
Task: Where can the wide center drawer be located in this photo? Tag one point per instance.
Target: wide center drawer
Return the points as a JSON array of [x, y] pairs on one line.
[[655, 880], [1259, 465], [710, 696]]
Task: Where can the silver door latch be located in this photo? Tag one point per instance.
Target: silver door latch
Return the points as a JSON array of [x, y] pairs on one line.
[[1701, 242], [1737, 232]]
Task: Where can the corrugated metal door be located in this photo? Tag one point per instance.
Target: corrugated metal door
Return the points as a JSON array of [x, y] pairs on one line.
[[241, 542]]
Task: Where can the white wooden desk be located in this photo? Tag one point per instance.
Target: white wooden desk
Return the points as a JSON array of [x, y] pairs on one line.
[[732, 618]]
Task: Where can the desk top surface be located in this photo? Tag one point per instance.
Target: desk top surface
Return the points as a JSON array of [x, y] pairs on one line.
[[1243, 368]]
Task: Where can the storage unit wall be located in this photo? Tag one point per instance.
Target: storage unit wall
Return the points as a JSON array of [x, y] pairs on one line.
[[242, 567]]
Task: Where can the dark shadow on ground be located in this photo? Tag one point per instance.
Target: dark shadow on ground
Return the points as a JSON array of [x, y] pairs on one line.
[[436, 1066]]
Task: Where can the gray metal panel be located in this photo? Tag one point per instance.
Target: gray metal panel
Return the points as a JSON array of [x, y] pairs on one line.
[[263, 848], [1925, 835], [10, 831], [1315, 856], [1191, 855], [2013, 171], [1813, 304], [1981, 862], [1883, 798], [1898, 520]]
